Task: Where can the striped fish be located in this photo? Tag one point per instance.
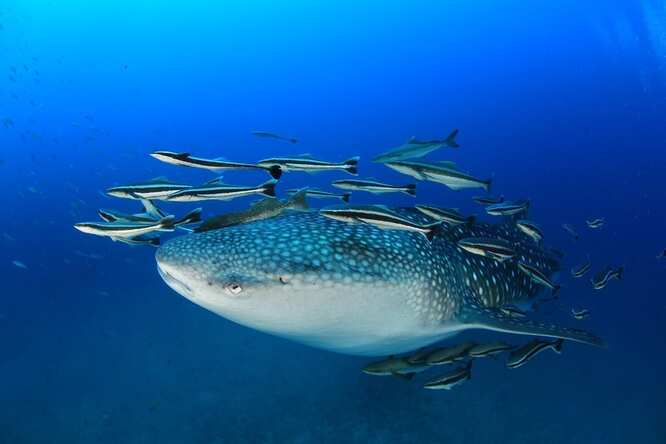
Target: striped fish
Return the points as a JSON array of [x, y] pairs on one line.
[[222, 192], [538, 276], [449, 215], [187, 160], [310, 165], [508, 208], [488, 247], [522, 355], [531, 229], [373, 186], [451, 379], [157, 188]]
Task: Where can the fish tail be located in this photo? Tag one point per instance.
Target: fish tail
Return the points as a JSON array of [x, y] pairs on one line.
[[351, 165], [268, 188], [190, 218], [345, 197], [410, 189], [275, 171], [168, 223], [557, 345], [450, 140]]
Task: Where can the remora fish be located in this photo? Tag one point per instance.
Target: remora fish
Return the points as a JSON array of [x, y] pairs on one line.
[[354, 288], [263, 209], [222, 192], [483, 246], [152, 214], [379, 216], [580, 270], [126, 229], [531, 229], [447, 355], [415, 148], [269, 135], [321, 194], [186, 159], [494, 348], [451, 379], [523, 354], [595, 223], [141, 240], [538, 276], [372, 186], [440, 172], [488, 200], [601, 279], [393, 366], [158, 188], [449, 215], [581, 314], [508, 208], [571, 230], [310, 165]]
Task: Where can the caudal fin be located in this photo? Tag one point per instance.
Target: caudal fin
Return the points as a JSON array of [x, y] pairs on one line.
[[345, 197], [275, 171], [168, 223], [351, 165], [557, 345], [410, 189], [190, 218], [450, 140], [268, 188]]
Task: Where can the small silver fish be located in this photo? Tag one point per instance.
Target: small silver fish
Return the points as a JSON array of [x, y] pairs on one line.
[[19, 264], [186, 159], [449, 215], [447, 355], [440, 172], [158, 188], [222, 192], [493, 348], [394, 366], [380, 217], [372, 186], [451, 379], [531, 229], [508, 208], [488, 200], [581, 314], [126, 230], [601, 279], [488, 247], [538, 276], [571, 230], [595, 223], [321, 194], [522, 355], [269, 135], [310, 165], [415, 148], [581, 269]]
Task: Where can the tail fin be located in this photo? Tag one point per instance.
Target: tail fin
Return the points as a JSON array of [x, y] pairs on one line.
[[620, 272], [298, 200], [351, 165], [345, 197], [190, 218], [168, 223], [275, 171], [268, 188], [106, 216], [410, 189], [450, 140], [433, 229], [557, 345]]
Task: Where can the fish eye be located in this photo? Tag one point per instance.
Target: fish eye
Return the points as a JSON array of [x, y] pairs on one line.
[[233, 288]]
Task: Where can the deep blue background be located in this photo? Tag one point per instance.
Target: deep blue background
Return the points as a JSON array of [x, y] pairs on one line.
[[563, 102]]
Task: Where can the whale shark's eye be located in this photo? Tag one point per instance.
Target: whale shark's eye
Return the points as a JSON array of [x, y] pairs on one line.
[[233, 288]]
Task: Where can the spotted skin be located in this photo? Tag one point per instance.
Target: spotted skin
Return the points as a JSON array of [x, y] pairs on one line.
[[353, 288]]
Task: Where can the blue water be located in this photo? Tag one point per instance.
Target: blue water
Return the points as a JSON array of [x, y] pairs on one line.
[[561, 102]]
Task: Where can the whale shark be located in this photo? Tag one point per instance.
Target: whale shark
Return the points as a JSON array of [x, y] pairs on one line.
[[355, 288]]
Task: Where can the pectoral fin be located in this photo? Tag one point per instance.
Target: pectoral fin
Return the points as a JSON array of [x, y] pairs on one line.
[[474, 315]]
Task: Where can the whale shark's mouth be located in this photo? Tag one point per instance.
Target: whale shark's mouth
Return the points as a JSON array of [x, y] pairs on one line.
[[173, 282]]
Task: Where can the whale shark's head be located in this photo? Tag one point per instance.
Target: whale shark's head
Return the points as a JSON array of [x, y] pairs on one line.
[[301, 276]]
